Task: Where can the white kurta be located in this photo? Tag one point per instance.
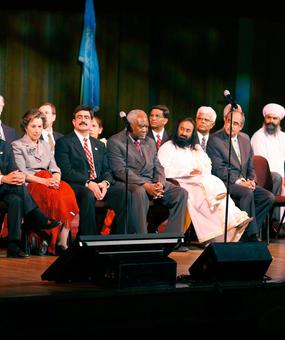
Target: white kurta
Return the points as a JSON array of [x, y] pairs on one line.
[[272, 147], [206, 210]]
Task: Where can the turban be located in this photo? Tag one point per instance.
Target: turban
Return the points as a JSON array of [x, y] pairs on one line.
[[209, 111], [228, 107], [274, 109]]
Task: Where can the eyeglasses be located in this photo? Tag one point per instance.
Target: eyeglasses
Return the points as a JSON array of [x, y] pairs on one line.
[[155, 116], [79, 117], [205, 119], [236, 124]]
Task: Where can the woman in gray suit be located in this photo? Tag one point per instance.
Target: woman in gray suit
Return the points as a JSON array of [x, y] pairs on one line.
[[34, 157]]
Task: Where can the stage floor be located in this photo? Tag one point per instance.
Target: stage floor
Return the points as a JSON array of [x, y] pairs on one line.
[[31, 306], [20, 277]]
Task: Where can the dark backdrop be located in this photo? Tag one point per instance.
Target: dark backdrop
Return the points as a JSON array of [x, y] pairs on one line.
[[168, 56]]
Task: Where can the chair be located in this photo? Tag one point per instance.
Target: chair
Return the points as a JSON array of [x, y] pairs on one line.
[[264, 179]]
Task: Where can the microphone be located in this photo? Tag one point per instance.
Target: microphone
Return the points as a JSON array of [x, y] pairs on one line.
[[124, 118], [230, 99]]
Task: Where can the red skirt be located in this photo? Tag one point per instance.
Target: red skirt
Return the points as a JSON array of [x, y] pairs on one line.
[[59, 204]]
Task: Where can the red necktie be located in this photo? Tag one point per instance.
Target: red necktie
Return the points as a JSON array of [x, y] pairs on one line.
[[158, 141], [89, 158], [138, 146]]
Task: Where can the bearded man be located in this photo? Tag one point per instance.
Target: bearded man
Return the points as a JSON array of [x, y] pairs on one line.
[[269, 142]]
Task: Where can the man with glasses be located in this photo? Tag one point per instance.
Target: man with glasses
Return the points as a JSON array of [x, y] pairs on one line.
[[256, 201], [158, 118], [83, 163], [205, 121]]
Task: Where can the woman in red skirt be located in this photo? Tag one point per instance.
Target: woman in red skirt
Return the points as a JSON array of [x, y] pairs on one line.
[[34, 157]]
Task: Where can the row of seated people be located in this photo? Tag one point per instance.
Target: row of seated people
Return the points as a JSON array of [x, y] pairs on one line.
[[92, 175]]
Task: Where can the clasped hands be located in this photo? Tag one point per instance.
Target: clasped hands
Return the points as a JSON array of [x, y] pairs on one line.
[[14, 177], [54, 181], [99, 189], [248, 183], [155, 190]]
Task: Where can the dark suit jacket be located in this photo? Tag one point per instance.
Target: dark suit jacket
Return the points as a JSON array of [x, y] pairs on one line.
[[7, 160], [71, 158], [141, 169], [165, 136], [9, 133], [218, 151]]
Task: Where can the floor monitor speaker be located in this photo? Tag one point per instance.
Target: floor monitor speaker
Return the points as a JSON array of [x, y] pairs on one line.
[[118, 260], [232, 261]]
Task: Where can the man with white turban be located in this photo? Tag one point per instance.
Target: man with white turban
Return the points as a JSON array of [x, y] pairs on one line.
[[269, 142], [205, 121]]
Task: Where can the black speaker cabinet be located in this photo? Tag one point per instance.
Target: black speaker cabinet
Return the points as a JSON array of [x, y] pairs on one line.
[[232, 261], [118, 260]]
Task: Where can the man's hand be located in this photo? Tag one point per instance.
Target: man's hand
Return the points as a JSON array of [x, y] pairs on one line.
[[248, 184], [155, 190], [99, 189], [14, 178]]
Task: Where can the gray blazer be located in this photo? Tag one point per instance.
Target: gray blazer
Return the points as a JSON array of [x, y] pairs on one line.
[[30, 158], [141, 169]]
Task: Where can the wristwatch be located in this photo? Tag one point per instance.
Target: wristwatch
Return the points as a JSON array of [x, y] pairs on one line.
[[87, 182]]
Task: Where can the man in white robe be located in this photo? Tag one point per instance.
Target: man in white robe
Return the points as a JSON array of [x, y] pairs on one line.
[[184, 160], [269, 142]]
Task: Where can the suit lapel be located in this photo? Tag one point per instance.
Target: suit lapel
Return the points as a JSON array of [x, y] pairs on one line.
[[234, 157], [78, 147]]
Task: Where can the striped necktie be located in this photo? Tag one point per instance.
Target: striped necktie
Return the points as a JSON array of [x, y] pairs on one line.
[[158, 141], [89, 158], [203, 143]]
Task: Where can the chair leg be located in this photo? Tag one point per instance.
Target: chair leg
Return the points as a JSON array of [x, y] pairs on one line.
[[280, 225]]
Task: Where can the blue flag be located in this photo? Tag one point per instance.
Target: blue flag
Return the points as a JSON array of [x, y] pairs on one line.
[[90, 82]]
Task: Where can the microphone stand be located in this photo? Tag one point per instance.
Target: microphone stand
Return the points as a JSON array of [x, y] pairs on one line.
[[228, 177], [128, 130]]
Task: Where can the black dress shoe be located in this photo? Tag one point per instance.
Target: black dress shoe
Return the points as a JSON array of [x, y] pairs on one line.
[[51, 223], [19, 254]]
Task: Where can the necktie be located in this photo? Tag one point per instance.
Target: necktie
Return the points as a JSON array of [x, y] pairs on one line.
[[89, 158], [203, 143], [51, 142], [138, 146], [236, 147], [158, 141]]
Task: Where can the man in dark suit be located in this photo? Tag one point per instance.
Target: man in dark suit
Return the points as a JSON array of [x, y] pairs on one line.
[[6, 132], [205, 121], [19, 202], [146, 179], [255, 200], [48, 134], [158, 118], [83, 163]]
